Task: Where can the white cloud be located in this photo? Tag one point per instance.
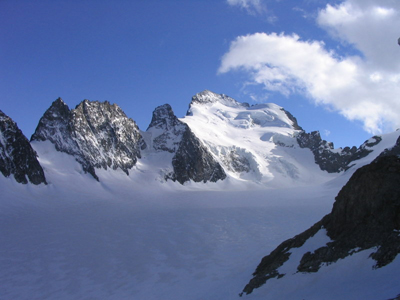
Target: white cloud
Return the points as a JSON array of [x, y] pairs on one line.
[[251, 6], [364, 88], [372, 27]]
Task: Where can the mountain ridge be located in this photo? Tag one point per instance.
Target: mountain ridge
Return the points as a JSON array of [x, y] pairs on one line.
[[252, 143]]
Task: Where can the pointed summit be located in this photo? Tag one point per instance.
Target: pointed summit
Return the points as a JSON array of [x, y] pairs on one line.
[[163, 118], [53, 125], [165, 129]]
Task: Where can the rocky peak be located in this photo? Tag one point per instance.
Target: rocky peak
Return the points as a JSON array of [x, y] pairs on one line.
[[58, 109], [164, 118], [165, 129], [16, 154], [54, 126], [97, 134]]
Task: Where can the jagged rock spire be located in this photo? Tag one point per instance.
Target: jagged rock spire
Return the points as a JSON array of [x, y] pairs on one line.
[[16, 154]]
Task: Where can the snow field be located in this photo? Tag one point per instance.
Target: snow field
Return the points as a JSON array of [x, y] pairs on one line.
[[77, 238]]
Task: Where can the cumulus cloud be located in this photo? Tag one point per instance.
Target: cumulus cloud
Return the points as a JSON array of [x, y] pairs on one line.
[[251, 6], [372, 27], [364, 87]]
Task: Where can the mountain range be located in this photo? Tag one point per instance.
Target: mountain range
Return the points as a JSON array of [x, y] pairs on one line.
[[221, 145], [258, 143]]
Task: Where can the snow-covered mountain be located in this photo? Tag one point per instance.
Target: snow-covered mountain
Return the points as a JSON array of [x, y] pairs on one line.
[[253, 143], [185, 209]]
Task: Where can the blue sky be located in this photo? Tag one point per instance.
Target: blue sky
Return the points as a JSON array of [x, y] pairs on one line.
[[335, 65]]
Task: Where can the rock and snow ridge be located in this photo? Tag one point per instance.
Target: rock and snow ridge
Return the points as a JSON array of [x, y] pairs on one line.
[[16, 154], [365, 216], [191, 160], [218, 138], [252, 143]]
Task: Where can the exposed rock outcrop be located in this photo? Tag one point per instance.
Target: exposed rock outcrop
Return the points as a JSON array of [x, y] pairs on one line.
[[16, 154], [194, 162], [327, 157], [365, 215], [97, 134]]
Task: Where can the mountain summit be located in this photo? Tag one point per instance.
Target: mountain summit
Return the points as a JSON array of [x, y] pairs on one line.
[[256, 143], [97, 134], [207, 97]]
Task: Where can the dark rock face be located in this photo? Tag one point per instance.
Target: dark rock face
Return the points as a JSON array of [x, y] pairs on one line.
[[237, 163], [269, 265], [98, 135], [296, 125], [16, 154], [55, 127], [329, 160], [192, 160], [165, 129], [367, 210], [366, 214]]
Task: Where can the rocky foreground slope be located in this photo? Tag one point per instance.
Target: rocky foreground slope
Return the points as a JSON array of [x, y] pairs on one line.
[[365, 215]]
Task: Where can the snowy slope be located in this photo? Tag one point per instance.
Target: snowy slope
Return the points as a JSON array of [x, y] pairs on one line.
[[254, 143], [132, 237], [126, 238]]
